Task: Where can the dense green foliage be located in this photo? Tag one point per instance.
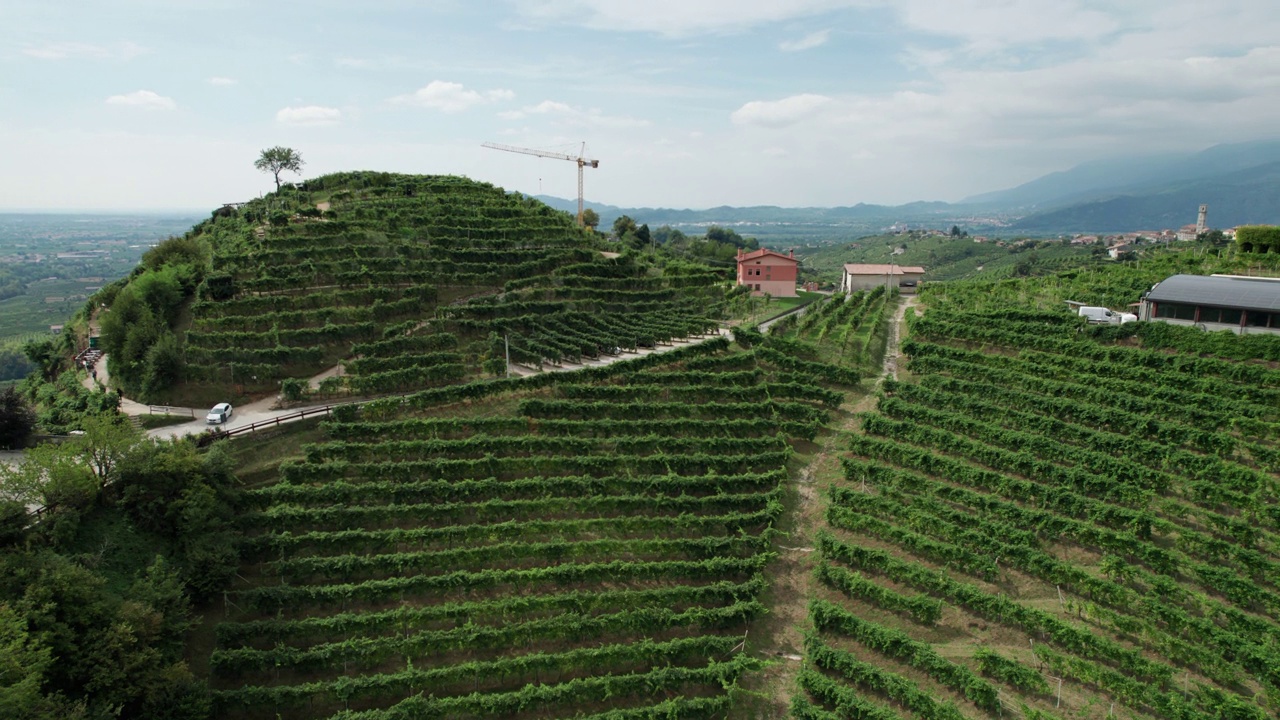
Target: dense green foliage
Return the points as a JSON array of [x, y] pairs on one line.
[[97, 590], [1258, 238], [17, 420]]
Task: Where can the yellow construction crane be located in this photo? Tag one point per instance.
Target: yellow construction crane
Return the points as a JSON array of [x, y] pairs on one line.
[[580, 159]]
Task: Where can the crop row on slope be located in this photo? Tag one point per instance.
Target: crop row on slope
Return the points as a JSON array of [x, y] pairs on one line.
[[278, 288], [1100, 514], [583, 557]]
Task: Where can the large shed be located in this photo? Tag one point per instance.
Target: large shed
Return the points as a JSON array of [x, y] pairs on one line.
[[1215, 302], [858, 276]]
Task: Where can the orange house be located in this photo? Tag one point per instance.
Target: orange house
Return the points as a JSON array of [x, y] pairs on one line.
[[766, 271]]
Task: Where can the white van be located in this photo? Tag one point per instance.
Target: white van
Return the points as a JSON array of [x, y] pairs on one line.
[[219, 414], [1101, 315]]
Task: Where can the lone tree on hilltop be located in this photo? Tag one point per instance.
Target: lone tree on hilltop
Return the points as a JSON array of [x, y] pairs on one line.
[[278, 159]]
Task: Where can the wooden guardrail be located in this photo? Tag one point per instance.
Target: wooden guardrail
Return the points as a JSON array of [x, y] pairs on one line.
[[299, 415], [218, 434]]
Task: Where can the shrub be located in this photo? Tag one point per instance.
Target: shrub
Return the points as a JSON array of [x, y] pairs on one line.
[[1258, 238], [294, 389]]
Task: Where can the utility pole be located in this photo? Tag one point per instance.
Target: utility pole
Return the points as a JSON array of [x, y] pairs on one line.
[[506, 342]]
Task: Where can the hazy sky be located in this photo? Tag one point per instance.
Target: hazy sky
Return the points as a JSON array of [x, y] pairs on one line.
[[687, 103]]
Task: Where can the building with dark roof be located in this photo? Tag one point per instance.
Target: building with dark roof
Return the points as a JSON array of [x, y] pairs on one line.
[[1216, 302]]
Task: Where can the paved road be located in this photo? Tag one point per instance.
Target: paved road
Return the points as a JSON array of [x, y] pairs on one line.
[[524, 370], [264, 409]]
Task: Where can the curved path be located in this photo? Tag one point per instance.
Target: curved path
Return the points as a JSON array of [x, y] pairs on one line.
[[266, 410]]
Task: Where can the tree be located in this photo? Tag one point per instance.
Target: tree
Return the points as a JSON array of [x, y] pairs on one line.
[[622, 226], [667, 234], [955, 231], [279, 159], [590, 218], [17, 419], [1215, 238], [23, 662], [107, 439]]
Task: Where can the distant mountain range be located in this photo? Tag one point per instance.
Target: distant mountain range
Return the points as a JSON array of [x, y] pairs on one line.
[[1240, 182], [756, 214], [1245, 197]]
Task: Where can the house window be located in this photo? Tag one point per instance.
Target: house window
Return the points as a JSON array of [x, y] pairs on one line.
[[1229, 316], [1257, 318], [1176, 311]]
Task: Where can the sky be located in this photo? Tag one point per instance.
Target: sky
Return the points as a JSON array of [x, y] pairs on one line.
[[165, 104]]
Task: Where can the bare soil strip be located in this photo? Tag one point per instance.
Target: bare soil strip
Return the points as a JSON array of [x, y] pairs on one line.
[[778, 639]]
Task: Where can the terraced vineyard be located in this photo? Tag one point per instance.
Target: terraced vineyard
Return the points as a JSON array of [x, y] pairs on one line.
[[586, 545], [841, 328], [1040, 524], [416, 281]]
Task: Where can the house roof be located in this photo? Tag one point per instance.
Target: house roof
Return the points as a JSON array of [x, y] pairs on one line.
[[1232, 292], [864, 269], [757, 254]]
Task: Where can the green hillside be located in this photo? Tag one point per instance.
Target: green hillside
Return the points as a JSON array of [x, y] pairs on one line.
[[411, 281], [989, 509], [944, 258], [1047, 520], [565, 545]]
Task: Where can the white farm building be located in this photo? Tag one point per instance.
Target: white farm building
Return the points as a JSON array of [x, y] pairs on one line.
[[857, 276]]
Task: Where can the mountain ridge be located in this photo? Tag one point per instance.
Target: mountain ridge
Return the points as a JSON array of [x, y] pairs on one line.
[[1156, 191]]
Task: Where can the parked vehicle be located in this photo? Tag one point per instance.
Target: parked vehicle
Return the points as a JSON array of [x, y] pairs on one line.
[[1103, 316], [219, 414]]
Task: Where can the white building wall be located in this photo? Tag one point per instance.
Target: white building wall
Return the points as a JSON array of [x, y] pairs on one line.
[[854, 283]]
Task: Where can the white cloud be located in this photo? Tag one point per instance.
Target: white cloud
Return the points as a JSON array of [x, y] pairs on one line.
[[222, 81], [988, 25], [981, 129], [570, 115], [84, 51], [451, 97], [677, 17], [309, 115], [808, 42], [143, 99], [545, 107], [779, 113]]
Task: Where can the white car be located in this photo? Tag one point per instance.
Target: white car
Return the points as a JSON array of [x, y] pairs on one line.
[[219, 414], [1101, 315]]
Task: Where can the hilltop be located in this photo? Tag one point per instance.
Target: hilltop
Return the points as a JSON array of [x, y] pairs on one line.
[[407, 281]]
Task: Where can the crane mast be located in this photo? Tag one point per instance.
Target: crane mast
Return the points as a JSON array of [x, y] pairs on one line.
[[580, 159]]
